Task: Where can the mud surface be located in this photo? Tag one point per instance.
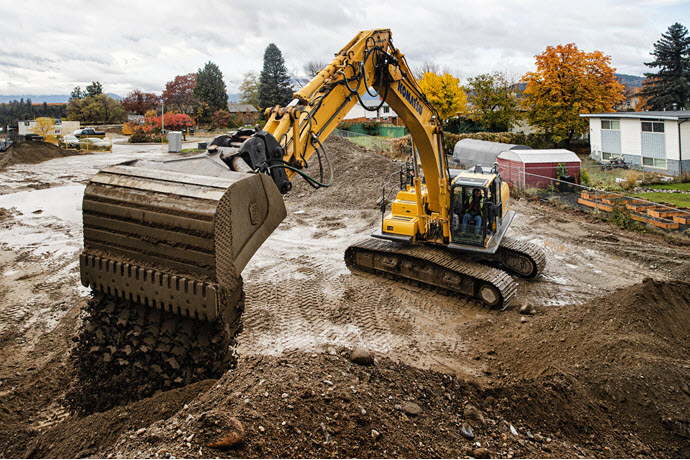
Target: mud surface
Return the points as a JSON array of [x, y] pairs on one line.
[[599, 369]]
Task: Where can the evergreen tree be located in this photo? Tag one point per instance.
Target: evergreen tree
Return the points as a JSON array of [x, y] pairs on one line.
[[671, 84], [77, 93], [210, 87], [94, 89], [274, 82]]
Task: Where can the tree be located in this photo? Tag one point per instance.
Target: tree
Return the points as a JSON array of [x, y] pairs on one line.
[[274, 82], [210, 87], [179, 93], [139, 102], [493, 101], [46, 128], [77, 93], [100, 108], [250, 89], [313, 67], [94, 89], [445, 94], [669, 88], [569, 82]]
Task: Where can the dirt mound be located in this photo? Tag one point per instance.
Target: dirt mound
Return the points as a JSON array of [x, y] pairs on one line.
[[619, 363], [322, 406], [32, 152], [359, 174], [127, 351], [82, 437]]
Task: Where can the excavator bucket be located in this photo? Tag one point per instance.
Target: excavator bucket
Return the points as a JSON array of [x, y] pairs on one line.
[[175, 235]]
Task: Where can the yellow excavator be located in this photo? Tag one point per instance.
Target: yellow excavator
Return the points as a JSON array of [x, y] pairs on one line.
[[176, 234]]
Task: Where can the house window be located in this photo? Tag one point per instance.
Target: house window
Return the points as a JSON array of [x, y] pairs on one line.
[[660, 163], [386, 109], [627, 103], [611, 124], [653, 126]]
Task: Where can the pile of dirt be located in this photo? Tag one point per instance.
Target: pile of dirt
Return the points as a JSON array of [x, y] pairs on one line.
[[620, 363], [318, 405], [359, 175], [32, 152], [126, 352], [83, 437]]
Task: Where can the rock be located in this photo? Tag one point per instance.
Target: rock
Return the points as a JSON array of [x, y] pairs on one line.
[[411, 408], [523, 319], [472, 413], [481, 452], [538, 438], [375, 434], [233, 438], [513, 430], [466, 431], [362, 356]]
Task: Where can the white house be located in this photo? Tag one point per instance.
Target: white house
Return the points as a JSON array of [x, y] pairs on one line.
[[383, 115], [658, 141], [60, 128]]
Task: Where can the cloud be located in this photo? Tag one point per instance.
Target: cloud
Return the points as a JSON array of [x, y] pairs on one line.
[[143, 45]]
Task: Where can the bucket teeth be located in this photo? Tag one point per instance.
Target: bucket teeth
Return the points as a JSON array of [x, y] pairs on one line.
[[175, 235]]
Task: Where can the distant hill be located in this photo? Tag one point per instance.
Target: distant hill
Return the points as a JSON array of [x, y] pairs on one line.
[[630, 80], [50, 99]]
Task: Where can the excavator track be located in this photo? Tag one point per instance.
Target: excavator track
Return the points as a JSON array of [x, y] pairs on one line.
[[435, 267], [521, 258]]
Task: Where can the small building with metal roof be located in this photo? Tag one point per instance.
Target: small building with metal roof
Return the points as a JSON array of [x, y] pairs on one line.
[[537, 168], [655, 141], [473, 152]]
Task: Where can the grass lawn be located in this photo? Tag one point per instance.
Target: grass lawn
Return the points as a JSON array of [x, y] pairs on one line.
[[597, 173], [681, 200], [674, 186]]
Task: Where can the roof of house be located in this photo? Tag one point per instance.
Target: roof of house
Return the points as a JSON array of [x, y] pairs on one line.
[[540, 156], [236, 107], [662, 115], [475, 152]]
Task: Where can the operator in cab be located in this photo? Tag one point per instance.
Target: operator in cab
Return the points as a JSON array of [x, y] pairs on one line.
[[473, 212]]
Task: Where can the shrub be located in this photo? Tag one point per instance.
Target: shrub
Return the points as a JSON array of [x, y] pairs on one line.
[[584, 178], [630, 180], [684, 177], [371, 127], [620, 217]]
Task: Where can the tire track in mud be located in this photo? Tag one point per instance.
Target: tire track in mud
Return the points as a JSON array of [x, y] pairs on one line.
[[315, 306]]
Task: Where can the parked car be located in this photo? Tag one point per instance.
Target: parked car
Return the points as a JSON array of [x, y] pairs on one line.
[[88, 132], [94, 143], [68, 141]]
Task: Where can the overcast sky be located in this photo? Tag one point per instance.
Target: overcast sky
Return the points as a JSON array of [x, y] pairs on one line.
[[51, 47]]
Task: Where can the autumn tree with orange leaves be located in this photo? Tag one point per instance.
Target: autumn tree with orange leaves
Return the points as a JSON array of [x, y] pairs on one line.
[[569, 82]]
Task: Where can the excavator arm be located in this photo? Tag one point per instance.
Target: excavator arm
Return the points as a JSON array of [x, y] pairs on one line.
[[176, 234], [369, 61]]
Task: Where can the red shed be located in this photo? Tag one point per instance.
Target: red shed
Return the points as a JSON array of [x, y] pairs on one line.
[[535, 168]]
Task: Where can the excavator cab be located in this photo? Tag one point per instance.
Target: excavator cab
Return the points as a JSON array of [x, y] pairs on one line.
[[481, 230]]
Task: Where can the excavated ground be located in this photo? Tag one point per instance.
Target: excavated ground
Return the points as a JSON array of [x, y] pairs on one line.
[[596, 365]]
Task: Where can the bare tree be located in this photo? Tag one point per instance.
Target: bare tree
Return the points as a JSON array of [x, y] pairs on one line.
[[433, 67], [313, 67]]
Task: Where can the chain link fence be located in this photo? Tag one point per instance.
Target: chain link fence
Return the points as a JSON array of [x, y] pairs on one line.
[[626, 208], [364, 140]]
